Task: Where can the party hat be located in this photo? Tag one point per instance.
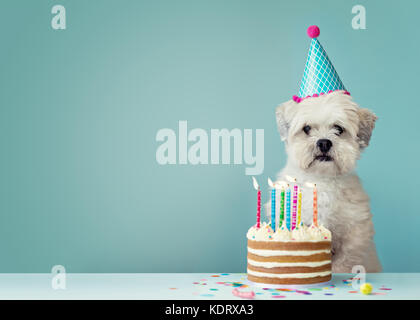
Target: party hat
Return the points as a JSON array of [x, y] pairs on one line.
[[319, 76]]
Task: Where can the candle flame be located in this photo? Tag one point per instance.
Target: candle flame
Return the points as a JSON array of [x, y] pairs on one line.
[[270, 183], [254, 181]]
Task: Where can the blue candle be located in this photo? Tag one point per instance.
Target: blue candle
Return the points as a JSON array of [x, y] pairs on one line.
[[288, 215], [273, 209]]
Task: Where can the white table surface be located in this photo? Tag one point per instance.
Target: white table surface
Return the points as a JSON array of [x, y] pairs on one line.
[[208, 286]]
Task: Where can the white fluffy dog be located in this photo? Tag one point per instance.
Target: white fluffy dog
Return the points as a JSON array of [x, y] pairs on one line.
[[324, 137]]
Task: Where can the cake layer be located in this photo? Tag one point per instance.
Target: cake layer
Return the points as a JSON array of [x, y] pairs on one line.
[[289, 281], [288, 264], [272, 253], [291, 270], [323, 256], [289, 245]]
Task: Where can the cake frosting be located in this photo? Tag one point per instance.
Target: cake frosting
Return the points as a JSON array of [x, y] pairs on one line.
[[301, 233], [299, 256]]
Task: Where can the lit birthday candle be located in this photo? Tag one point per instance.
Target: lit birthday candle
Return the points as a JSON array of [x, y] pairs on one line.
[[273, 204], [281, 206], [257, 187], [295, 195], [315, 206], [295, 200], [281, 185], [299, 219], [288, 192]]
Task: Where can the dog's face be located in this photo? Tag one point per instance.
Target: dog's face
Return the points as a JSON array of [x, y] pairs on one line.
[[325, 135]]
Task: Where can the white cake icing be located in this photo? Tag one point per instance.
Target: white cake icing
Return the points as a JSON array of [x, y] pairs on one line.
[[288, 264], [300, 233], [273, 253], [289, 275]]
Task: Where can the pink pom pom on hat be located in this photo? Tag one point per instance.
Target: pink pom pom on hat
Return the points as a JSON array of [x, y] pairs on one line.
[[319, 77], [313, 32]]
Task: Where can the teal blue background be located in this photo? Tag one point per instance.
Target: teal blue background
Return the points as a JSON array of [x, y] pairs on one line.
[[80, 109]]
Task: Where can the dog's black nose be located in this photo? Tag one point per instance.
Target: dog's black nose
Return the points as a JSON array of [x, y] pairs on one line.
[[324, 145]]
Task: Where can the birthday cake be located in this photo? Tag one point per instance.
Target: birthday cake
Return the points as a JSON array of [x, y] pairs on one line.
[[300, 256]]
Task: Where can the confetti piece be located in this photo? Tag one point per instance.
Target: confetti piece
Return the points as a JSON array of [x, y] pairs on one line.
[[173, 288], [196, 282], [207, 295], [329, 294], [214, 289], [224, 274], [278, 296], [215, 276], [353, 291], [220, 282], [237, 284], [303, 292], [385, 289]]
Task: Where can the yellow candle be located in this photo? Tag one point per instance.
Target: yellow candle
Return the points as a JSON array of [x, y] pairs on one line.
[[299, 206]]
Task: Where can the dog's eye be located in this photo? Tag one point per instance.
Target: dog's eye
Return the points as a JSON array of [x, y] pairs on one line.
[[339, 129], [306, 129]]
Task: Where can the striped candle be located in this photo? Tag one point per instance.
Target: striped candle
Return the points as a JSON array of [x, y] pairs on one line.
[[295, 196], [273, 209], [299, 218], [281, 207], [257, 187], [288, 192], [258, 208]]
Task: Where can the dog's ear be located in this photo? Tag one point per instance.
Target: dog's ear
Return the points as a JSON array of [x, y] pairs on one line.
[[283, 117], [367, 123]]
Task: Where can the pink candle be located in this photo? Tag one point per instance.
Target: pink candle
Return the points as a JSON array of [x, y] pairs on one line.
[[257, 187], [315, 207], [259, 208], [295, 196]]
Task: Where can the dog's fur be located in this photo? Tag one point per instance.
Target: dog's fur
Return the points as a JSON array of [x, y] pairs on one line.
[[343, 205]]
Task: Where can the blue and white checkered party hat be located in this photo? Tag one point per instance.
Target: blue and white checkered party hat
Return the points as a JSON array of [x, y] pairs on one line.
[[319, 76]]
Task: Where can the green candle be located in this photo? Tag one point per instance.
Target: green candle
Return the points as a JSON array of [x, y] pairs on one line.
[[281, 206]]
